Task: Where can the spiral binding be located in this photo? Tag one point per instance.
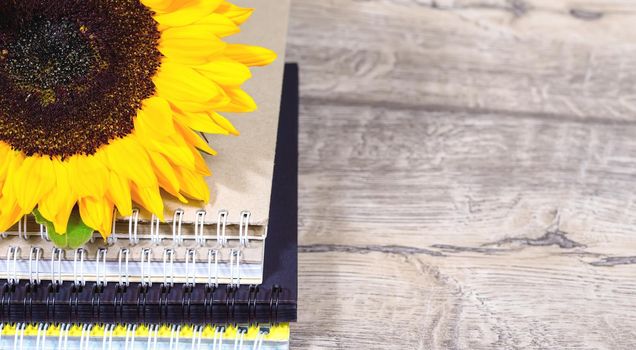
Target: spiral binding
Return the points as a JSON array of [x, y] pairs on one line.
[[176, 233], [274, 301], [154, 337], [192, 263], [21, 304], [145, 281], [147, 270]]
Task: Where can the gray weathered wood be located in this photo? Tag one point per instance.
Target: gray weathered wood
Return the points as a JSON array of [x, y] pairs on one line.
[[475, 158]]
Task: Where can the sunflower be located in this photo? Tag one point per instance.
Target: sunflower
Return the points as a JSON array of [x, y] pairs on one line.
[[102, 103]]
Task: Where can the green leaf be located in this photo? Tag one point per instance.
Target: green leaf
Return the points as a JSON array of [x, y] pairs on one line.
[[77, 233]]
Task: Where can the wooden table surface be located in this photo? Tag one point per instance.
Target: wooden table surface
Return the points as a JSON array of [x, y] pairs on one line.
[[468, 174]]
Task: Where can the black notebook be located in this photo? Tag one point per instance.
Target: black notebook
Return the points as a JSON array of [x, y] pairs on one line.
[[275, 300]]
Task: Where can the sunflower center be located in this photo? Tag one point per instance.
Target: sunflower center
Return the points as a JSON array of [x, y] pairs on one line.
[[73, 73], [47, 55]]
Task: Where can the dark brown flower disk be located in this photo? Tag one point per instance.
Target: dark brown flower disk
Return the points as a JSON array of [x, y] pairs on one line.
[[73, 73]]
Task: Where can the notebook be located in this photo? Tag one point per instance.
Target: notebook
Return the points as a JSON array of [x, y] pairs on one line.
[[139, 299], [222, 243], [69, 336]]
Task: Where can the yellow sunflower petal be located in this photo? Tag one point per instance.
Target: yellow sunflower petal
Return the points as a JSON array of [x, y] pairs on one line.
[[192, 44], [225, 72], [173, 147], [250, 55], [237, 14], [167, 178], [97, 213], [158, 5], [201, 165], [88, 176], [241, 101], [14, 162], [200, 122], [188, 14], [200, 107], [57, 205], [178, 82], [4, 164], [127, 158], [120, 194], [220, 25], [156, 115], [193, 185], [194, 139], [224, 123], [150, 198], [10, 213], [33, 180]]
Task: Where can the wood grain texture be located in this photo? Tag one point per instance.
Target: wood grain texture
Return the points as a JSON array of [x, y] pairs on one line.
[[468, 171]]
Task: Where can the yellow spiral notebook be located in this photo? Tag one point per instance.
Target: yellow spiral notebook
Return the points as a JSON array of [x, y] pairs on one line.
[[67, 336]]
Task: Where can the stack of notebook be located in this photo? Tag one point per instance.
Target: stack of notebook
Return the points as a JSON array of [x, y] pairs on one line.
[[220, 277]]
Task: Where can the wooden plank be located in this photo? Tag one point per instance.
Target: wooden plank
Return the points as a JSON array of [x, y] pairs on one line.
[[527, 57], [523, 301], [352, 313], [375, 176], [479, 159]]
